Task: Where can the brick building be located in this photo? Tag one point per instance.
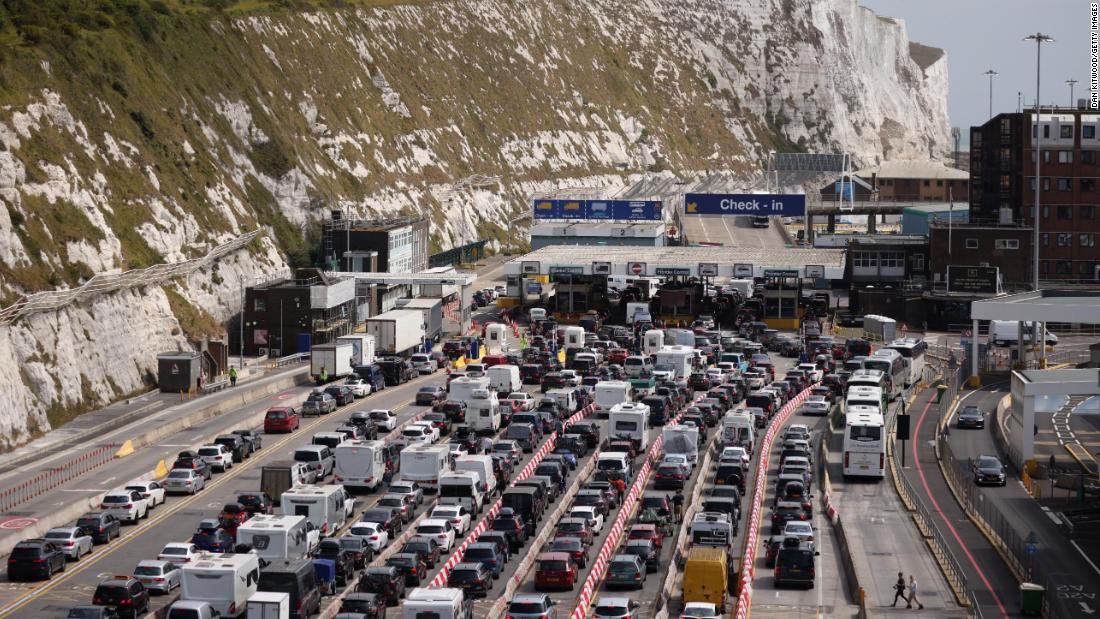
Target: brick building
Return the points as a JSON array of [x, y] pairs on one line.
[[916, 181]]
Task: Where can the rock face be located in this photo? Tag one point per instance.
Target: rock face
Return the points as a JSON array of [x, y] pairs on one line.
[[155, 140]]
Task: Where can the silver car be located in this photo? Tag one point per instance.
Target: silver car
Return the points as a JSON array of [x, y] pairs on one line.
[[159, 576], [532, 606], [73, 541], [185, 481]]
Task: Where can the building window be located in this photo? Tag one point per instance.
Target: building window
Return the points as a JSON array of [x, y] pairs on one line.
[[1088, 184], [1006, 244], [1088, 132], [1046, 156], [1006, 127], [939, 183], [1065, 239], [918, 262], [1086, 240], [892, 260], [1065, 184], [1065, 211], [1046, 212], [1044, 266], [865, 259], [927, 183], [1044, 239], [1066, 132], [1088, 211], [972, 243], [259, 304], [1086, 268], [1006, 182], [1063, 267], [1065, 156]]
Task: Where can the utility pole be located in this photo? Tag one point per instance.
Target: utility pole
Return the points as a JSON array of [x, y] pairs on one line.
[[991, 73], [1071, 83], [1039, 39], [240, 358]]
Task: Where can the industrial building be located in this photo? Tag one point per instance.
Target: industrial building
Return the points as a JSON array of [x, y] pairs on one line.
[[642, 234], [287, 316], [397, 245]]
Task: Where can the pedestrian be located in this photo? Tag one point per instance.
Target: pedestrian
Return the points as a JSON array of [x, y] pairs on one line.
[[322, 378], [198, 384], [232, 377], [913, 594], [678, 504], [899, 589], [1050, 469], [486, 444]]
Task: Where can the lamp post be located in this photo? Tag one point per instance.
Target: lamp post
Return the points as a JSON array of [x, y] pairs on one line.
[[991, 73], [1039, 39], [1071, 83]]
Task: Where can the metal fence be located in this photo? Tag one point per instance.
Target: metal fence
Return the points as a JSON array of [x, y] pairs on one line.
[[49, 479]]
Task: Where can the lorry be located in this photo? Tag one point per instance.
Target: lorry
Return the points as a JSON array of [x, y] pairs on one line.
[[335, 359], [269, 605], [681, 439], [432, 312], [397, 332], [362, 348], [225, 581], [608, 393], [279, 538], [679, 359], [280, 476], [482, 466], [462, 488], [1008, 332], [360, 464], [879, 328], [443, 603], [504, 379], [630, 420], [326, 507], [424, 464]]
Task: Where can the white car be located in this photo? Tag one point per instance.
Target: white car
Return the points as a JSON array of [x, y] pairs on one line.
[[384, 419], [126, 505], [179, 552], [414, 434], [376, 535], [800, 529], [590, 515], [455, 514], [152, 491], [699, 610], [519, 400], [735, 454], [457, 449], [217, 456], [73, 541], [615, 608], [359, 386], [438, 529], [508, 447], [571, 377], [679, 459], [429, 426], [812, 371], [754, 380], [716, 375], [815, 405]]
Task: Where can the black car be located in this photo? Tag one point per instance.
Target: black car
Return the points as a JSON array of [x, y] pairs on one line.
[[389, 518], [473, 578], [644, 549], [370, 605], [574, 443], [331, 549], [794, 564], [989, 470], [341, 393], [430, 395], [552, 380], [589, 430], [425, 547], [100, 525], [466, 436], [971, 417], [360, 550], [785, 513], [256, 503], [125, 594], [698, 381], [500, 539], [509, 523], [593, 497], [252, 437], [367, 428], [411, 566], [35, 558], [574, 547], [659, 409], [236, 445], [192, 460], [92, 612], [387, 582]]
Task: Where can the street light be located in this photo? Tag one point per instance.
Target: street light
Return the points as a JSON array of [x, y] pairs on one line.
[[1071, 83], [1039, 39], [991, 73]]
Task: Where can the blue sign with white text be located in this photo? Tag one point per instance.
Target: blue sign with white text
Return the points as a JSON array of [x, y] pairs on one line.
[[628, 210], [786, 205]]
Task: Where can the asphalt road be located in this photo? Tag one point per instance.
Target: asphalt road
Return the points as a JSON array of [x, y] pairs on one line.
[[731, 231]]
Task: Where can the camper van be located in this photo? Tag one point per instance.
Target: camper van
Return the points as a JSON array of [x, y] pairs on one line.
[[630, 420], [436, 603], [574, 337], [504, 379], [225, 581], [681, 439], [278, 538], [360, 464], [652, 341], [425, 463], [678, 359], [608, 393], [327, 507], [483, 411], [496, 339]]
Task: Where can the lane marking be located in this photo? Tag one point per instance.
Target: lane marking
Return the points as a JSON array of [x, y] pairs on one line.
[[1082, 552]]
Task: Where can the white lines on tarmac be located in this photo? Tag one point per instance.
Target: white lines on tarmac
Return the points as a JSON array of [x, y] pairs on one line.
[[1082, 552]]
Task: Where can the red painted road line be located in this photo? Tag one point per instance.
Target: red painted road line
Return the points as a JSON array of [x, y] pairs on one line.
[[936, 506]]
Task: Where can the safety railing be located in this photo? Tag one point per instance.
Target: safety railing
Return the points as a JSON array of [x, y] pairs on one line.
[[49, 479], [298, 357], [106, 283]]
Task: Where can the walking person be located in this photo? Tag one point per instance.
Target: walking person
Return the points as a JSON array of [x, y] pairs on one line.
[[913, 594], [678, 505], [198, 384], [232, 376], [899, 589]]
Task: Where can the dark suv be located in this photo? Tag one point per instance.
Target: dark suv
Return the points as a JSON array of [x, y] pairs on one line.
[[794, 564], [35, 558], [123, 593], [411, 566], [100, 525], [387, 582], [237, 445], [369, 605], [425, 547], [331, 549]]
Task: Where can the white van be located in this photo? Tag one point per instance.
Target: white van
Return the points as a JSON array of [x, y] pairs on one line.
[[360, 464], [504, 379], [630, 420], [424, 464], [635, 365], [737, 429], [566, 399], [278, 538], [225, 581], [327, 507], [482, 466], [462, 488], [436, 603], [1007, 333], [608, 393]]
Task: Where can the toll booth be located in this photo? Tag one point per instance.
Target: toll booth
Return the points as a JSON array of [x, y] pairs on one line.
[[781, 292], [178, 370], [575, 293]]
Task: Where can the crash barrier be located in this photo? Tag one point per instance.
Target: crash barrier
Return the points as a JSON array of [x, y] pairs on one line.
[[498, 608], [298, 357], [49, 479], [440, 579], [752, 531], [848, 556]]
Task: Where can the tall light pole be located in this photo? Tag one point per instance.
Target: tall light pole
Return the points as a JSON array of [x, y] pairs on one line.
[[1039, 39], [1071, 83], [991, 73]]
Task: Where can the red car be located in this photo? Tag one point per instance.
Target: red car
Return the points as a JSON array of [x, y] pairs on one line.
[[282, 419], [231, 517], [556, 569], [646, 531], [617, 355]]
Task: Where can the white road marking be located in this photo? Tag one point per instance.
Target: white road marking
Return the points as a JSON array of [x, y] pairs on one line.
[[1095, 569]]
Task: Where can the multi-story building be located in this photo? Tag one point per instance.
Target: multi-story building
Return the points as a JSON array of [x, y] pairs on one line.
[[916, 181], [399, 245], [1003, 181], [287, 316]]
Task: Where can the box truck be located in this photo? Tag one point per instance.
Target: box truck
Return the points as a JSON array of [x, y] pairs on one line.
[[362, 348], [397, 332], [432, 311], [360, 464], [425, 463], [225, 581], [278, 538], [335, 359]]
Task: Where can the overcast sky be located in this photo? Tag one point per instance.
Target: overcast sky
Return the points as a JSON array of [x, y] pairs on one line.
[[986, 34]]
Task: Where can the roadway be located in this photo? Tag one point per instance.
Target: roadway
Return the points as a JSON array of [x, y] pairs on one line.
[[730, 231]]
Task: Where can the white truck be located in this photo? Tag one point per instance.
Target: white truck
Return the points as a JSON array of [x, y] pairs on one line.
[[326, 507], [424, 464], [269, 605], [681, 439], [335, 359], [652, 341], [608, 393], [744, 286], [1008, 332], [679, 359], [360, 464], [504, 379], [432, 311], [482, 466], [362, 347], [630, 420], [397, 331], [461, 488], [879, 328], [496, 339], [225, 581], [278, 538], [436, 603]]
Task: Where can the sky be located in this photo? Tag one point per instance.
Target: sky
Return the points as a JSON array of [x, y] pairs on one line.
[[979, 35]]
